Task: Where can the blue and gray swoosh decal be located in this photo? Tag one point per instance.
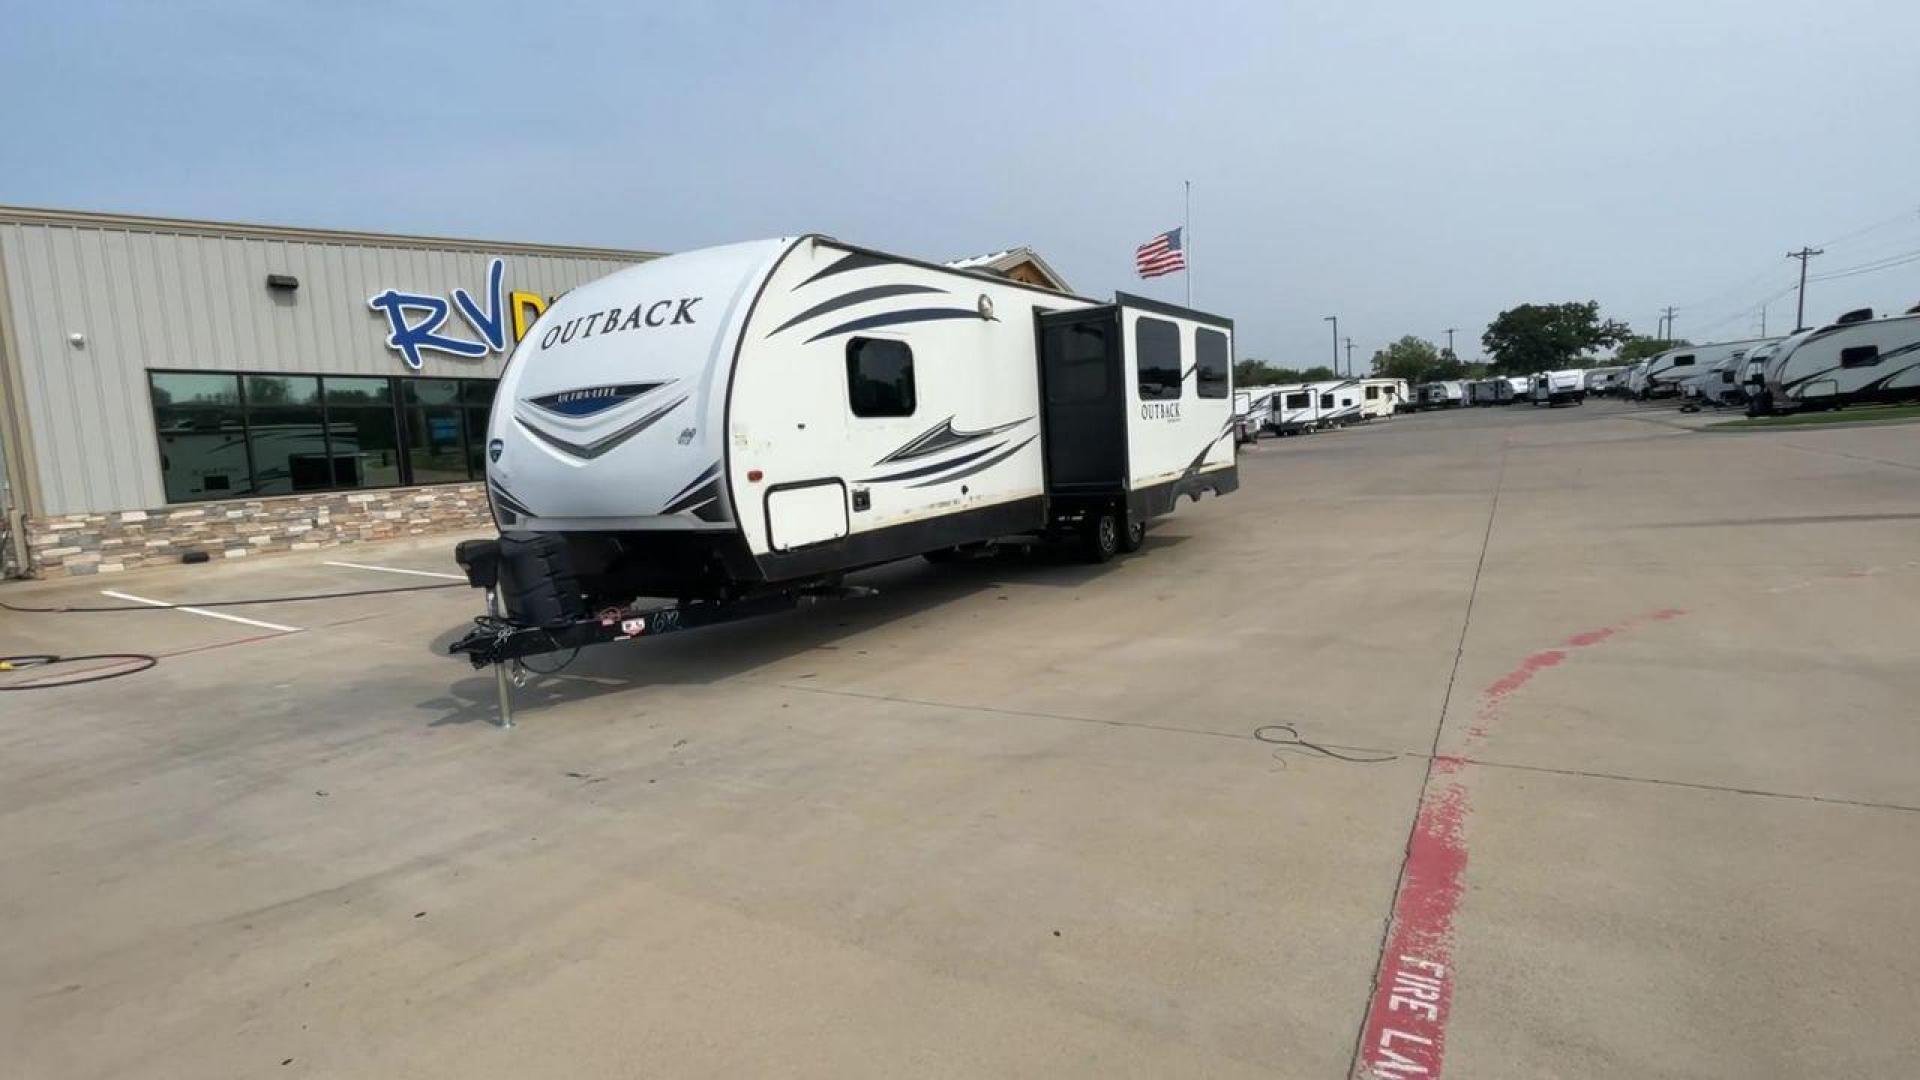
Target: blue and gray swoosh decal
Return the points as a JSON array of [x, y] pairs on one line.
[[943, 436], [855, 261], [983, 466], [589, 450], [505, 501], [857, 296], [701, 496], [897, 318]]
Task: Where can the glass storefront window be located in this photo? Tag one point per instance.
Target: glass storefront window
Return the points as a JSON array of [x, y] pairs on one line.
[[225, 436], [203, 446]]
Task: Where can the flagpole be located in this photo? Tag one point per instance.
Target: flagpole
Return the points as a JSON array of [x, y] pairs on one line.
[[1186, 236]]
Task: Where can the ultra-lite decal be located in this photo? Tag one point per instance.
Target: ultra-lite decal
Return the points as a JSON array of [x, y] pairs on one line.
[[591, 400]]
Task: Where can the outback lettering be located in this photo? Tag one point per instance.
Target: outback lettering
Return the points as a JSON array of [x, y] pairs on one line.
[[1160, 410], [671, 312]]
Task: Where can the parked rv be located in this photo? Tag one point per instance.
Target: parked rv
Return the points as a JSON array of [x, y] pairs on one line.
[[1519, 387], [1552, 388], [1338, 402], [1446, 394], [1295, 410], [790, 410], [1489, 392], [1380, 398], [1252, 413], [1600, 380], [1856, 360], [1665, 372]]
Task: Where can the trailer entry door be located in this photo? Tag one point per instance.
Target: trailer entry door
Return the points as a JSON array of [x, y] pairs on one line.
[[1083, 390]]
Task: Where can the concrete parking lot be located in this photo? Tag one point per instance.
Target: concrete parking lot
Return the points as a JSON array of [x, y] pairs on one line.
[[1627, 785]]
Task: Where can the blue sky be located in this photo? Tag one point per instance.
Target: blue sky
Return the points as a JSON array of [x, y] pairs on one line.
[[1409, 166]]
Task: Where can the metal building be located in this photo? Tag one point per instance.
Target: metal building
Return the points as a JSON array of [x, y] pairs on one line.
[[170, 386]]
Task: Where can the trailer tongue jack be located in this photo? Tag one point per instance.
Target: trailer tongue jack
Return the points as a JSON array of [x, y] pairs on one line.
[[504, 636]]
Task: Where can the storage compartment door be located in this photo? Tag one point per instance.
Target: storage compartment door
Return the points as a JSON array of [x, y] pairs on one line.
[[802, 514]]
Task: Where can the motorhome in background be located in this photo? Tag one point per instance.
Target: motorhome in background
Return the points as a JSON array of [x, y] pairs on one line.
[[1296, 409], [1550, 388], [1668, 370], [1381, 398], [1855, 360], [746, 419], [1338, 402], [1445, 394], [1489, 392]]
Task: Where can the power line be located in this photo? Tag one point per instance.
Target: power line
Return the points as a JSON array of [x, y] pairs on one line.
[[1886, 263]]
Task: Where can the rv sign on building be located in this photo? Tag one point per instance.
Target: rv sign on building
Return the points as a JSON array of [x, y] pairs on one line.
[[409, 335]]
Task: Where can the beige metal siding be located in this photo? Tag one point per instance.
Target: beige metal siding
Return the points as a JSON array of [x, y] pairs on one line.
[[148, 297]]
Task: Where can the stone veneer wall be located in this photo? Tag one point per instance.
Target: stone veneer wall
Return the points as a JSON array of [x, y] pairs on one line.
[[75, 544]]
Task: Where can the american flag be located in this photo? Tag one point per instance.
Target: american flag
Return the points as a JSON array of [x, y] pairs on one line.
[[1160, 255]]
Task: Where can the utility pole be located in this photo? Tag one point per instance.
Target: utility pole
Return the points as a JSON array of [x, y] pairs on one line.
[[1805, 253], [1335, 320], [1349, 358], [1666, 320], [1450, 351]]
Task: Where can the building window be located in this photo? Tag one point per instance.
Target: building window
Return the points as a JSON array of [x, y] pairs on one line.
[[227, 436], [880, 377], [1156, 357], [203, 436], [1860, 356], [364, 436]]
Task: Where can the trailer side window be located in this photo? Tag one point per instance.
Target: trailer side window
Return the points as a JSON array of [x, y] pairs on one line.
[[1326, 401], [1211, 367], [1373, 393], [1156, 357], [1296, 401], [880, 377], [1683, 361], [1860, 356]]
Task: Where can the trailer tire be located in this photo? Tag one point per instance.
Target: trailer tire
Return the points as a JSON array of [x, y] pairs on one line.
[[1100, 535], [1133, 535]]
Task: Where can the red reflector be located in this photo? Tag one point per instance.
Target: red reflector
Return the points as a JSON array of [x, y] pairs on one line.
[[753, 476]]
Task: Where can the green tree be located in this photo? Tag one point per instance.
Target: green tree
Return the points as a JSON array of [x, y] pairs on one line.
[[1639, 348], [1545, 337], [1417, 360]]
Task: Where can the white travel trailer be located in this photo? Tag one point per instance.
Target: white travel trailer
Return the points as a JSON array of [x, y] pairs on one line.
[[1601, 380], [756, 420], [1296, 409], [1489, 392], [1382, 397], [1665, 372], [1855, 361], [1519, 386], [1552, 388], [1252, 413], [1338, 402], [1753, 370], [1446, 394]]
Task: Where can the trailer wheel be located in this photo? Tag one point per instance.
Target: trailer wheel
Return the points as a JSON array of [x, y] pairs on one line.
[[1133, 536], [1100, 535]]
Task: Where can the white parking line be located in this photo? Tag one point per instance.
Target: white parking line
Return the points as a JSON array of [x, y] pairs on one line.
[[200, 611], [398, 570]]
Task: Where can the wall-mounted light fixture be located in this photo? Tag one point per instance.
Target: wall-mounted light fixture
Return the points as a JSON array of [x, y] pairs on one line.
[[283, 281]]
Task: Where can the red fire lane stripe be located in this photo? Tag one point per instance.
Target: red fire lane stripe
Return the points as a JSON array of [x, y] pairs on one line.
[[1406, 1029]]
